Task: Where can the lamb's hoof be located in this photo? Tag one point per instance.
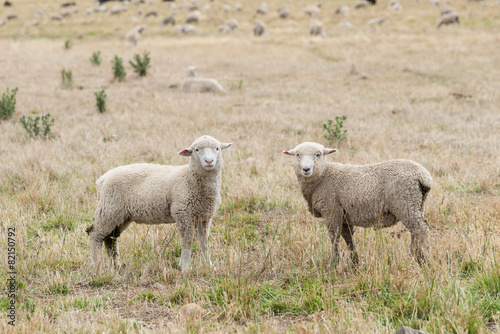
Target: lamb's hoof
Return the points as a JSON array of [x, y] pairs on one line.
[[120, 268]]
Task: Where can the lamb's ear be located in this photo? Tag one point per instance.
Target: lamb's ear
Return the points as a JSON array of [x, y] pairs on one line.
[[329, 151], [289, 152], [186, 152], [225, 145]]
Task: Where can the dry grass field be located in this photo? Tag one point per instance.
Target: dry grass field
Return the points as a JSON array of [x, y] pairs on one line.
[[408, 91]]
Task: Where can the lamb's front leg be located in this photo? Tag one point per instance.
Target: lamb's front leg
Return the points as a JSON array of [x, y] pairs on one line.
[[203, 228], [186, 232], [333, 223]]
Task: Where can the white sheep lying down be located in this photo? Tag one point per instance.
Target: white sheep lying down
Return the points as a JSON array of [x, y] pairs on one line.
[[187, 195], [193, 84], [377, 195]]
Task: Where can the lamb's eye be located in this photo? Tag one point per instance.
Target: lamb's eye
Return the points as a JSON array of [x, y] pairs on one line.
[[217, 148], [298, 155], [197, 150], [318, 155]]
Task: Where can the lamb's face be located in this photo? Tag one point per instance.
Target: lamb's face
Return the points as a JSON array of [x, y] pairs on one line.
[[191, 72], [141, 28], [309, 159], [205, 152]]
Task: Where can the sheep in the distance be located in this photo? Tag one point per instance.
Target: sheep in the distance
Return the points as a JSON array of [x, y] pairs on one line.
[[169, 20], [233, 24], [134, 35], [152, 12], [377, 195], [259, 28], [360, 4], [316, 28], [342, 10], [448, 16], [283, 12], [312, 11], [345, 24], [379, 21], [187, 29], [262, 10], [187, 195], [193, 17], [192, 84]]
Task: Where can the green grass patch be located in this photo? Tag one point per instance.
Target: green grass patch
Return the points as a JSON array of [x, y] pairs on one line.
[[58, 289], [100, 281], [90, 303]]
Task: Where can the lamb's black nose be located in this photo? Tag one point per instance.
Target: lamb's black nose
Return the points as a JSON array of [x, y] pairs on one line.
[[306, 169]]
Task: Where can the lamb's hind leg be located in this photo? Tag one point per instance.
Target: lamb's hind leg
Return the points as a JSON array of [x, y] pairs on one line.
[[111, 244], [419, 245], [415, 223], [104, 225], [347, 235]]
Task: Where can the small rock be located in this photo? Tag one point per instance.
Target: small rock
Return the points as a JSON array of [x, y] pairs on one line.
[[301, 329], [159, 286], [409, 330], [191, 311]]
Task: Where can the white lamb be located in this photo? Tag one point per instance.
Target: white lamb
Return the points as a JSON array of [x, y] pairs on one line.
[[193, 17], [262, 10], [342, 10], [192, 84], [134, 35], [233, 24], [316, 28], [259, 28], [345, 24], [187, 195], [377, 195], [283, 12], [312, 11], [187, 29]]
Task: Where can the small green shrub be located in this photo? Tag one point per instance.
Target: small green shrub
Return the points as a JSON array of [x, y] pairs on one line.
[[32, 126], [68, 44], [119, 72], [95, 59], [100, 100], [141, 65], [237, 86], [335, 131], [67, 78], [8, 104]]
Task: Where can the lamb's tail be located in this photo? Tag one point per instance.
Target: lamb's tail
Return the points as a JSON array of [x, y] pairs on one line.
[[425, 183], [89, 229], [99, 183]]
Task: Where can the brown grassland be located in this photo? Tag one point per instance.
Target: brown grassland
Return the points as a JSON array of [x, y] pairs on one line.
[[408, 91]]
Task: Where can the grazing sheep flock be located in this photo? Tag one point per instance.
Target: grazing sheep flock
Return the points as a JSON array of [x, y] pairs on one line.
[[187, 195], [194, 15], [378, 195]]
